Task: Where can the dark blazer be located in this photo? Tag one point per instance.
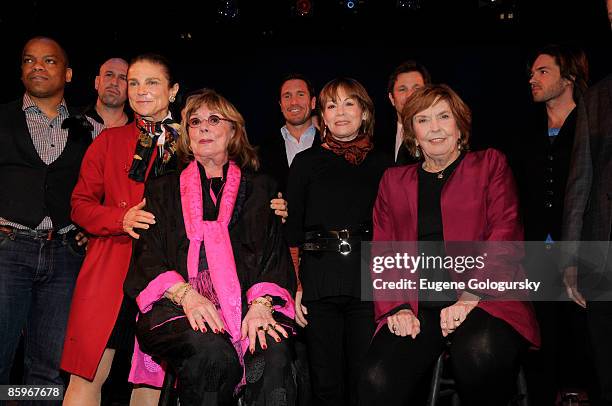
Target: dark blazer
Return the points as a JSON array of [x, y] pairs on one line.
[[541, 168], [273, 159], [386, 144], [588, 209], [479, 202]]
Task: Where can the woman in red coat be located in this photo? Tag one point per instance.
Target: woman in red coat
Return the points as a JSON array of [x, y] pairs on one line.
[[108, 203], [452, 195]]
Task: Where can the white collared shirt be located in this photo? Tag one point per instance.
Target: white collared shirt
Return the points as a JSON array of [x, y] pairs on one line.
[[293, 146], [399, 138]]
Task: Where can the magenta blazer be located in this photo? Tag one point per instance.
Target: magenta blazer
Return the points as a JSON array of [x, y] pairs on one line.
[[479, 203]]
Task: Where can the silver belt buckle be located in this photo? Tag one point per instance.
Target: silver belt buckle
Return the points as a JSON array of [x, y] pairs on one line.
[[344, 247]]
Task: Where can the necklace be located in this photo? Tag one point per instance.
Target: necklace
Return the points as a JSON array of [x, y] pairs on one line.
[[440, 174]]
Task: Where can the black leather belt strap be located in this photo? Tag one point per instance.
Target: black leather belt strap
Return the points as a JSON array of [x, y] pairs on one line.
[[343, 234], [35, 234], [329, 245]]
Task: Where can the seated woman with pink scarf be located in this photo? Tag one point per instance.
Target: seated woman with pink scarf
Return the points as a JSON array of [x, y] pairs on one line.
[[213, 277]]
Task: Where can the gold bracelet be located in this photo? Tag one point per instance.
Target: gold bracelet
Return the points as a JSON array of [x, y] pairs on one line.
[[264, 300], [187, 289], [177, 293], [172, 295]]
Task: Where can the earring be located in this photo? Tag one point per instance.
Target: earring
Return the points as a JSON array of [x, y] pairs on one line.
[[417, 152], [363, 127], [171, 99]]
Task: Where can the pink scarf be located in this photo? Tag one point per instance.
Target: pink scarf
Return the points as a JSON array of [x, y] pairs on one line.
[[216, 239], [221, 265]]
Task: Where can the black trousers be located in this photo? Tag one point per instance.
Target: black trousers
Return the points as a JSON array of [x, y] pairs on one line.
[[484, 356], [338, 335], [302, 369], [207, 364], [564, 359], [599, 320]]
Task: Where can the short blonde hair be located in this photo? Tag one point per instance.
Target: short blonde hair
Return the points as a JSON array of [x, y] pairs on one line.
[[355, 90], [239, 149], [424, 98]]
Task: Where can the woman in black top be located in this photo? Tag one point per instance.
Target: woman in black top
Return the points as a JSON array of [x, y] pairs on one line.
[[331, 193], [212, 277]]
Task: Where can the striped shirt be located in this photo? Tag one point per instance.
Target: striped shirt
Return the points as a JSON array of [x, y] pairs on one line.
[[98, 127], [49, 139]]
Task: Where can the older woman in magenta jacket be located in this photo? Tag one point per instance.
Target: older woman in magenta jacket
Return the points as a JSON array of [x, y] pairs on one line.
[[452, 195]]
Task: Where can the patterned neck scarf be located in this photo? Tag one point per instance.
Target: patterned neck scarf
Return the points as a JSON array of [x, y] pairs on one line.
[[165, 160], [353, 151]]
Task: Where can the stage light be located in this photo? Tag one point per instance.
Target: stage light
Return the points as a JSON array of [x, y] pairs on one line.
[[504, 11], [303, 8], [228, 9], [352, 6], [410, 5]]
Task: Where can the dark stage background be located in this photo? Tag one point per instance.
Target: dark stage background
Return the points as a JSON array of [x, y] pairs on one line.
[[243, 48]]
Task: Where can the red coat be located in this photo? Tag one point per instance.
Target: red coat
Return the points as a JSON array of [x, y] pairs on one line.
[[102, 196], [479, 203]]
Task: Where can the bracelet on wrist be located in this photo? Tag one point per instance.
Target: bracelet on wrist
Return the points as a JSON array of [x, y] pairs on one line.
[[179, 294], [263, 300], [182, 297]]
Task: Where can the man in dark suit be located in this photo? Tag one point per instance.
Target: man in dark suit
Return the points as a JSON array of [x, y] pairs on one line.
[[540, 159], [404, 80], [297, 103], [587, 221], [41, 146]]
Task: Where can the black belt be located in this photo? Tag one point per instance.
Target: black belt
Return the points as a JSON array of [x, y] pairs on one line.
[[37, 234], [341, 246], [335, 240], [343, 234]]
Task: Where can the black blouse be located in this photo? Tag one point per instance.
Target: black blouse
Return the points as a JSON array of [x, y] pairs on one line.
[[215, 186], [431, 232], [325, 192]]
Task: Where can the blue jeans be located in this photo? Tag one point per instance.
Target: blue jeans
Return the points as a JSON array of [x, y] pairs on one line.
[[37, 278]]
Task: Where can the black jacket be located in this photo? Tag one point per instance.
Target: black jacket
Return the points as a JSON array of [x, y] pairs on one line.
[[260, 251], [541, 168], [273, 159], [588, 212]]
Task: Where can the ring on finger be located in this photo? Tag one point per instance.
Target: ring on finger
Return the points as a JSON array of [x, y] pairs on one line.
[[262, 328], [456, 318]]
